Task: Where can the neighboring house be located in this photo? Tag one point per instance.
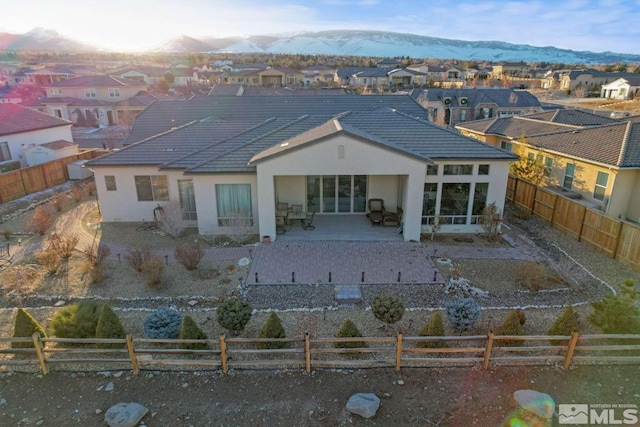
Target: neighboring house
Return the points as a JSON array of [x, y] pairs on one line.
[[21, 77], [92, 100], [271, 77], [623, 88], [183, 76], [511, 69], [588, 157], [22, 129], [318, 74], [379, 77], [448, 107], [225, 160], [49, 75], [150, 75], [389, 63], [589, 79]]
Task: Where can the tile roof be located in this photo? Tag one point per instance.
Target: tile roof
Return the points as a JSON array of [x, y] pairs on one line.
[[222, 134], [17, 119], [504, 98], [514, 127], [97, 81], [572, 117]]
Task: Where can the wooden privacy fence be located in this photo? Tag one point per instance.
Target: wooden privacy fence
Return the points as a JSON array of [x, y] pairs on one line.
[[312, 353], [19, 183], [616, 238]]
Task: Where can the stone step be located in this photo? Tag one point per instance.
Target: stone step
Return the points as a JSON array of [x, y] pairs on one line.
[[348, 294]]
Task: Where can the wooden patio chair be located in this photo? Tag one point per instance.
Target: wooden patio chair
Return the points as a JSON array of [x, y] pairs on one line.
[[281, 224], [307, 224]]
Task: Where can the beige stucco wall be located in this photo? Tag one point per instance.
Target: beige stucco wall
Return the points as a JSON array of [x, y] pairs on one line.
[[102, 93], [625, 197], [20, 141]]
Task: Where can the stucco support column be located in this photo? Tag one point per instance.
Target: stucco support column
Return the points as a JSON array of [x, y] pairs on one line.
[[266, 204], [413, 201]]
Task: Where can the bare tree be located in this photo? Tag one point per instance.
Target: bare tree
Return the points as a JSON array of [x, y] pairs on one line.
[[239, 224], [169, 219]]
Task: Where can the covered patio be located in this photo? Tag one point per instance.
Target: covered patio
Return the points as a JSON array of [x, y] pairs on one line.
[[340, 227]]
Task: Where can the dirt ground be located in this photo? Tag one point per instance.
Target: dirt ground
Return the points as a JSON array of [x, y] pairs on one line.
[[414, 397]]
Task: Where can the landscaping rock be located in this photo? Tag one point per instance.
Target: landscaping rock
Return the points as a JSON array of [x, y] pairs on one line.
[[109, 387], [364, 404], [243, 262], [125, 414], [192, 303], [60, 303], [540, 404]]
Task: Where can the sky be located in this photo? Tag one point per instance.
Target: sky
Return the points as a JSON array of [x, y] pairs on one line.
[[129, 25]]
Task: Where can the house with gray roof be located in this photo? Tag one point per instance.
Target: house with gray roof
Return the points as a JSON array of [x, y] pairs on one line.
[[448, 107], [623, 88], [216, 160], [591, 158]]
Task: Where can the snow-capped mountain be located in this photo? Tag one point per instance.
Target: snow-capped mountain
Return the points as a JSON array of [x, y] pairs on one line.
[[184, 44], [41, 39]]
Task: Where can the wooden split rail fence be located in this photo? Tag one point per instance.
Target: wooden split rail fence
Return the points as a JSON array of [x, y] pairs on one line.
[[312, 353]]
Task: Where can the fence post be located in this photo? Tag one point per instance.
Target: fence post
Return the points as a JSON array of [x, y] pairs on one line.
[[223, 354], [572, 347], [487, 351], [307, 353], [37, 344], [399, 353], [132, 355]]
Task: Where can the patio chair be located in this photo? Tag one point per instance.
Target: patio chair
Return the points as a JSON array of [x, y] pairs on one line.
[[282, 209], [281, 225], [307, 223], [392, 219], [376, 210]]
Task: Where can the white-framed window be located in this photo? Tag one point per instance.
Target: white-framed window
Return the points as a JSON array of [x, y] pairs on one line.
[[187, 200], [234, 205], [90, 92], [110, 182], [548, 165], [458, 169], [114, 92], [569, 172], [54, 91], [506, 146], [432, 169], [5, 154], [600, 188], [483, 169], [152, 188]]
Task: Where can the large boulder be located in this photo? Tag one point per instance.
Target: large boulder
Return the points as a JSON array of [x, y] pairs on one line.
[[540, 404], [363, 404], [125, 414]]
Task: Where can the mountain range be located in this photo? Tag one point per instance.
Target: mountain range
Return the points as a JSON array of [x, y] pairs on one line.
[[339, 42]]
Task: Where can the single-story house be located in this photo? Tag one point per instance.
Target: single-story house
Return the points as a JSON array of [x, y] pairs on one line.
[[222, 158], [622, 88]]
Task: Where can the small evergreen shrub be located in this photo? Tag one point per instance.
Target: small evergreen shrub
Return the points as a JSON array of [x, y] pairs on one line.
[[25, 326], [189, 255], [617, 314], [152, 270], [462, 312], [564, 325], [435, 328], [349, 330], [521, 316], [162, 323], [272, 328], [109, 326], [234, 315], [40, 220], [387, 309], [510, 326], [77, 321], [191, 331], [136, 256]]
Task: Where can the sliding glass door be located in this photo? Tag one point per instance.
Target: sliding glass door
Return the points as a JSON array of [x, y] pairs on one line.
[[337, 193]]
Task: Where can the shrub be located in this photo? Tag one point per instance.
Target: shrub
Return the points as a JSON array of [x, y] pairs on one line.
[[49, 259], [40, 220], [530, 275], [152, 269], [58, 201], [521, 316], [272, 328], [136, 256], [462, 312], [564, 325], [94, 257], [109, 326], [77, 320], [349, 330], [6, 234], [387, 309], [435, 328], [234, 315], [189, 255], [490, 220], [25, 326], [511, 326], [62, 246], [162, 323], [90, 188], [191, 331], [617, 314], [77, 192]]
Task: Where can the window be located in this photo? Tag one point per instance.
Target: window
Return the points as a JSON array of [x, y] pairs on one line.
[[57, 113], [569, 172], [5, 154], [463, 115], [90, 93], [432, 169], [601, 186], [455, 202], [506, 146], [234, 205], [110, 182], [152, 188], [429, 202], [114, 92], [458, 169], [479, 201], [483, 169], [548, 165], [187, 200], [55, 91]]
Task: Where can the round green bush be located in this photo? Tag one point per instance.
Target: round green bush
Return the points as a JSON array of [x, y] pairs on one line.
[[109, 326], [25, 326], [564, 325], [387, 309], [77, 320], [349, 330], [164, 323], [191, 331], [272, 328], [234, 315]]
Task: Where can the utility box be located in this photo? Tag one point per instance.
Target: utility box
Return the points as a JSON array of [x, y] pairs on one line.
[[77, 171]]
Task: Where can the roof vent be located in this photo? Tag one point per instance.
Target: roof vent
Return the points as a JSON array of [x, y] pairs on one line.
[[446, 100], [464, 100], [170, 149]]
